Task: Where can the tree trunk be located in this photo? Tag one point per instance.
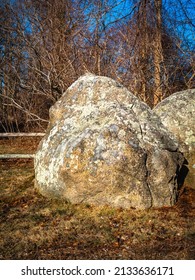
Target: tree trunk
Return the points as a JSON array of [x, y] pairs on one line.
[[158, 54], [144, 46]]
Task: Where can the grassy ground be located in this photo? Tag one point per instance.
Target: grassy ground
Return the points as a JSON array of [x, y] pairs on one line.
[[34, 227]]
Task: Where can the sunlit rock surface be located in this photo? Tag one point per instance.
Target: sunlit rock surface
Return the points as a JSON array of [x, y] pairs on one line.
[[105, 147]]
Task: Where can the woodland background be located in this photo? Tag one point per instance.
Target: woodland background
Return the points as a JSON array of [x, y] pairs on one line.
[[147, 45]]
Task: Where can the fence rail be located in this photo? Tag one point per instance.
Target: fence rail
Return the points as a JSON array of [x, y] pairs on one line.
[[16, 156], [22, 134]]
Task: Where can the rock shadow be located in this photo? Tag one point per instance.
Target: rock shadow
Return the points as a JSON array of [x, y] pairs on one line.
[[182, 174]]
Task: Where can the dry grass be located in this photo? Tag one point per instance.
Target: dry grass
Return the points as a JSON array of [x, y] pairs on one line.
[[33, 227]]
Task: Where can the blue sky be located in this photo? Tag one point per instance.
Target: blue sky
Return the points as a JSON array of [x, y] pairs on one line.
[[179, 15]]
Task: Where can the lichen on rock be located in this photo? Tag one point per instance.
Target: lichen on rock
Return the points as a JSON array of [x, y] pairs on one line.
[[105, 147]]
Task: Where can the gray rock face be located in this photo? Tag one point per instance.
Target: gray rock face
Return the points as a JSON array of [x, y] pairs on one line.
[[105, 147], [177, 113]]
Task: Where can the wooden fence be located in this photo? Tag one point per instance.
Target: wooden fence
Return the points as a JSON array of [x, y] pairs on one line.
[[16, 156]]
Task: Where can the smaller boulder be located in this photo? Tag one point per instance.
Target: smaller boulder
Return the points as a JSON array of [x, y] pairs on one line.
[[177, 113]]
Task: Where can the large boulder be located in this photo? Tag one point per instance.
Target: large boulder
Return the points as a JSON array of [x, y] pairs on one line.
[[177, 113], [105, 147]]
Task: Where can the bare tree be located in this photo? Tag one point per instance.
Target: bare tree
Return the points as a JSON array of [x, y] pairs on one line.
[[147, 45]]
